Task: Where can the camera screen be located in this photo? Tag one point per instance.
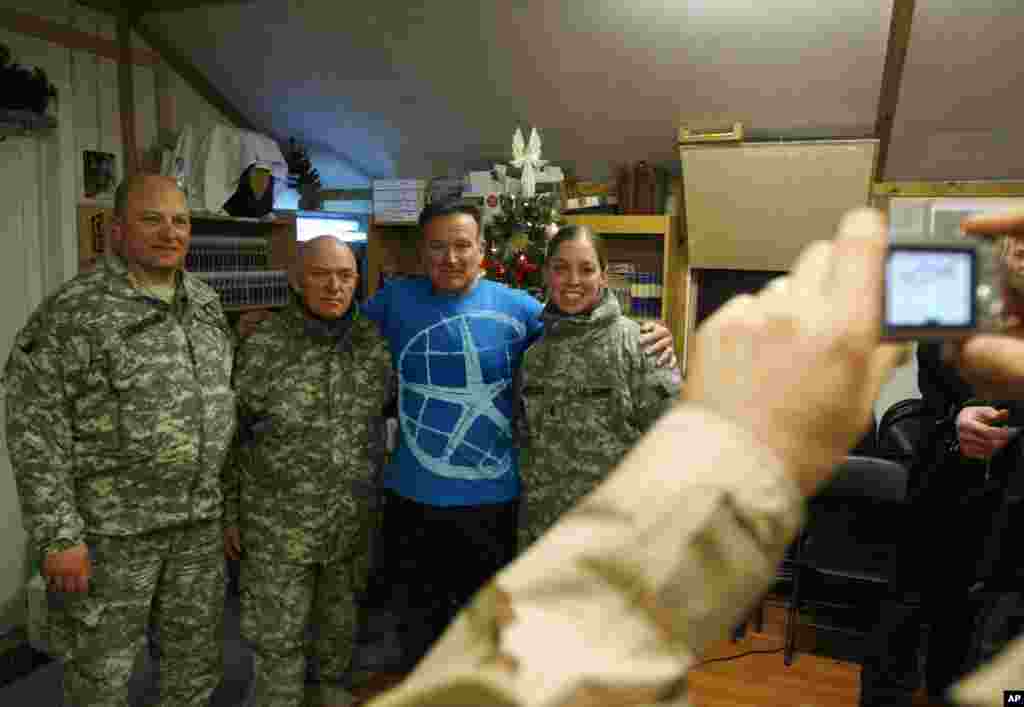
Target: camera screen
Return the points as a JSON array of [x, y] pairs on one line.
[[929, 288]]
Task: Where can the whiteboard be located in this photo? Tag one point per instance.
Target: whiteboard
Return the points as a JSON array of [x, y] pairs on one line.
[[755, 206]]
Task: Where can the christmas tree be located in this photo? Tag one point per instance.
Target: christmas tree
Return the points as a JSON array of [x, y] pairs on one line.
[[519, 233], [518, 237]]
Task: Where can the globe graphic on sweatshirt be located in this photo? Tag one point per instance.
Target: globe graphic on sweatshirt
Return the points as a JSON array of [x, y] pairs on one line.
[[455, 415]]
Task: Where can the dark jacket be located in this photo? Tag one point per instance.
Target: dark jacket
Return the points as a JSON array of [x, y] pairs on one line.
[[960, 508]]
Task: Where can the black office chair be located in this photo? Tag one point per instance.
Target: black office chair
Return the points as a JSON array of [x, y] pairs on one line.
[[848, 534], [903, 430], [785, 575]]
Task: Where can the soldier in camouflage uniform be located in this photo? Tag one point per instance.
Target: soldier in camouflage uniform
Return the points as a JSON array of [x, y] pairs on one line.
[[588, 390], [312, 383], [119, 417]]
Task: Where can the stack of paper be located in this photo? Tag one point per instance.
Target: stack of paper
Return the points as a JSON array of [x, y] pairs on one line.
[[398, 200]]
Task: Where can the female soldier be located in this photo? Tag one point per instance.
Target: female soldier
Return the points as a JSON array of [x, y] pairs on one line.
[[588, 390]]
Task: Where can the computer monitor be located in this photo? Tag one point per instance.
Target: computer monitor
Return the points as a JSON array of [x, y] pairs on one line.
[[345, 227]]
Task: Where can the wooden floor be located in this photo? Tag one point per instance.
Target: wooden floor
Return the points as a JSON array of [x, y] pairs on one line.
[[759, 680]]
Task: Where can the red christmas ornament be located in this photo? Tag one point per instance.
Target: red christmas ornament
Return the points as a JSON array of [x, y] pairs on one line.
[[495, 268], [523, 267]]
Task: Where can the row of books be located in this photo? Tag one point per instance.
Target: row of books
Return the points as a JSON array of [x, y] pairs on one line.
[[224, 254], [639, 293], [267, 288]]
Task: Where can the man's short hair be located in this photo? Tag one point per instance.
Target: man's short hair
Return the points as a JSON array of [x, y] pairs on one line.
[[448, 208], [124, 190]]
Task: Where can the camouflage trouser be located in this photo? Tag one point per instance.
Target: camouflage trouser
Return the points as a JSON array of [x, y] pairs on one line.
[[279, 600], [169, 581]]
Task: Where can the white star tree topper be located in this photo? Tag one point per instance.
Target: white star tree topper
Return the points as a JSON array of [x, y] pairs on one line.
[[527, 157]]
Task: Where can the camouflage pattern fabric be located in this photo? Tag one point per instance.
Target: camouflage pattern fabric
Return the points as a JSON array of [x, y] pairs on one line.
[[171, 581], [588, 394], [119, 408], [300, 487], [279, 600], [119, 417]]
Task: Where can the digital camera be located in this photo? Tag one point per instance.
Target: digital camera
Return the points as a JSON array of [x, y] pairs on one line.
[[949, 289]]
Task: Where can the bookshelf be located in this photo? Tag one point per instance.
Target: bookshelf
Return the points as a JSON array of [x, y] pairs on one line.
[[391, 249], [651, 244]]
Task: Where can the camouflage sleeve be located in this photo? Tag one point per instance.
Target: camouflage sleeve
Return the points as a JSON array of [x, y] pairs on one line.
[[39, 430], [653, 388], [245, 379], [520, 430], [231, 481], [378, 426]]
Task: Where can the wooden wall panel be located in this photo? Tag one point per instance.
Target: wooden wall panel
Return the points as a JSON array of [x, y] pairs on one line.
[[14, 285], [33, 51], [93, 96], [84, 73], [145, 109], [56, 10], [109, 97]]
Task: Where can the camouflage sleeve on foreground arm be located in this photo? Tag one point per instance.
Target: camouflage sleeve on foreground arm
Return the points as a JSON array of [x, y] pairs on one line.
[[39, 428]]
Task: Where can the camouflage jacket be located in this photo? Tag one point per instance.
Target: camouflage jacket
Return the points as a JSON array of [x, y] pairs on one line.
[[119, 408], [588, 393], [310, 405]]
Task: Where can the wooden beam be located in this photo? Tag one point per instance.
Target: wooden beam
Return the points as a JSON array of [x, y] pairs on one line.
[[68, 36], [112, 7], [126, 89], [142, 7], [175, 5], [892, 76], [949, 188], [188, 71]]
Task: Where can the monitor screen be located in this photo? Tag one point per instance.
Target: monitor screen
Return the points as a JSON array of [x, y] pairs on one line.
[[346, 227]]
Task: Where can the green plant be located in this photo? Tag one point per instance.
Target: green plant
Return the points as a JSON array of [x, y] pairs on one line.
[[307, 179]]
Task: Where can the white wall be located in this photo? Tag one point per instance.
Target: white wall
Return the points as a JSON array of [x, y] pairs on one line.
[[40, 188]]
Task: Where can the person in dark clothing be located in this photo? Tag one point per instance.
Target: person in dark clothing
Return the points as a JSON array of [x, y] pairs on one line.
[[956, 488]]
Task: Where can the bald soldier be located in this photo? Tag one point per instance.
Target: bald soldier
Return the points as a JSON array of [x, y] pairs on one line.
[[119, 417], [312, 382]]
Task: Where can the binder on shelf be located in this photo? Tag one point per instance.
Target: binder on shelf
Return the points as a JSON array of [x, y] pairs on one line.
[[255, 288]]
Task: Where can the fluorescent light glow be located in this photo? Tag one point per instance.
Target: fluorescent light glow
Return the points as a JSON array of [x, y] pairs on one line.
[[309, 225]]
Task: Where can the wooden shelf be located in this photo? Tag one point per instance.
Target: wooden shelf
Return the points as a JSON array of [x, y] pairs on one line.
[[251, 307], [949, 188], [671, 253], [281, 219], [394, 224], [623, 225], [24, 122]]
